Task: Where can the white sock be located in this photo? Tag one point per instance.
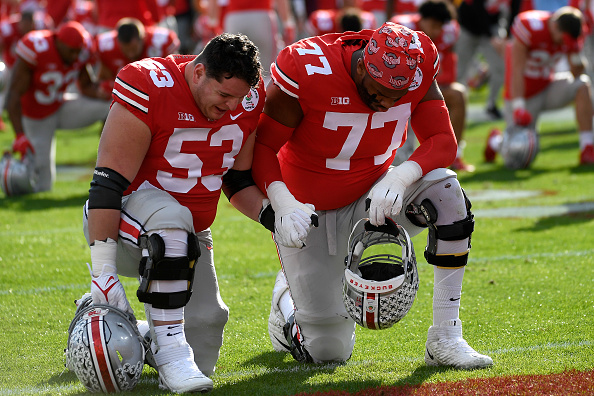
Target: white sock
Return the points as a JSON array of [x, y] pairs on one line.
[[285, 304], [586, 139], [460, 151], [447, 291]]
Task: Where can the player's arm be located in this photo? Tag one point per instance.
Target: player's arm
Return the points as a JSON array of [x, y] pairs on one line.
[[282, 114], [577, 64], [89, 86], [124, 142], [292, 219], [239, 185], [20, 82], [430, 121], [519, 59]]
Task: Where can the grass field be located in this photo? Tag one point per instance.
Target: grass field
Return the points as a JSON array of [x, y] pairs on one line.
[[528, 295]]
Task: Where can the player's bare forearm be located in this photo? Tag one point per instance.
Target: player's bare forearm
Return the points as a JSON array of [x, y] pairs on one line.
[[248, 201]]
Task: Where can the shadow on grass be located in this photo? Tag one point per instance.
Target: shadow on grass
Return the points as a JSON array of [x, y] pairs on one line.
[[41, 201], [571, 219], [290, 378]]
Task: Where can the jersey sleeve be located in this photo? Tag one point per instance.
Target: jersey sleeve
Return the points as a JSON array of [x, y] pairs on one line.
[[284, 72], [132, 90], [522, 28], [26, 47]]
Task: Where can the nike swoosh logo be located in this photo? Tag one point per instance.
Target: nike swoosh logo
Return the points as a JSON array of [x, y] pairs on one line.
[[235, 117], [454, 299], [429, 353]]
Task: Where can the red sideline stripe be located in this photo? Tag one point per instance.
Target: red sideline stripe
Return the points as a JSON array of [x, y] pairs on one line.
[[370, 316], [101, 355]]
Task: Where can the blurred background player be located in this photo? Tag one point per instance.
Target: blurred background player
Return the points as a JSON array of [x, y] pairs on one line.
[[350, 17], [47, 62], [129, 42], [483, 33], [12, 29], [258, 19], [437, 19], [539, 40]]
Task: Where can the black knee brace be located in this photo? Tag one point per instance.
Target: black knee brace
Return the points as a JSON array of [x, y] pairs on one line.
[[459, 230], [158, 267]]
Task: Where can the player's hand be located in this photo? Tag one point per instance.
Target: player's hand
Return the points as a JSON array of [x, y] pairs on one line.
[[522, 117], [385, 198], [107, 289], [21, 144], [292, 219]]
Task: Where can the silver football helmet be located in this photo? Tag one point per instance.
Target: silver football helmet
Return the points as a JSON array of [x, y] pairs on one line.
[[380, 282], [105, 349], [17, 177], [519, 147]]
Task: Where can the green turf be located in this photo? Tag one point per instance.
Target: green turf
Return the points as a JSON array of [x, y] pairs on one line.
[[527, 296]]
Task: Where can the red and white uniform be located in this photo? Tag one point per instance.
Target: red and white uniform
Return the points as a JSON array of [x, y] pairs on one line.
[[444, 43], [85, 13], [158, 42], [10, 34], [341, 147], [50, 75], [188, 154], [406, 7], [326, 21], [531, 29], [109, 12]]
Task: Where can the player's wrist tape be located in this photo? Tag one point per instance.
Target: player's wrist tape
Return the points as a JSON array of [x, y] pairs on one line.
[[406, 173], [107, 189], [103, 256], [518, 103]]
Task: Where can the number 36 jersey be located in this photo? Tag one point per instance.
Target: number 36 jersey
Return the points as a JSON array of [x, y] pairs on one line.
[[341, 147], [188, 154]]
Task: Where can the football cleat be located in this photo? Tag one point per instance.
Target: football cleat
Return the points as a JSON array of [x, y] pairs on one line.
[[493, 112], [460, 166], [182, 376], [276, 320], [587, 155], [492, 140], [446, 347]]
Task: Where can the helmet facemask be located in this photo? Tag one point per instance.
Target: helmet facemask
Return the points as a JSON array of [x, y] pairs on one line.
[[381, 279]]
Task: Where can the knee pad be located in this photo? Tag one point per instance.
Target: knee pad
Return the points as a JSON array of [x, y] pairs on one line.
[[158, 267], [456, 231]]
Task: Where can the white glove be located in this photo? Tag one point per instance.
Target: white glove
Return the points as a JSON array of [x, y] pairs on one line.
[[385, 198], [292, 219], [105, 284]]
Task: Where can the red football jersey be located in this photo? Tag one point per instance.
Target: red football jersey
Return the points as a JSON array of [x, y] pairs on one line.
[[326, 21], [158, 42], [444, 43], [530, 28], [50, 75], [341, 147], [188, 154], [243, 5]]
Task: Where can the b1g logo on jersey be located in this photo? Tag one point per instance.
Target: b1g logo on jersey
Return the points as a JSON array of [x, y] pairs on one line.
[[184, 116], [340, 100], [250, 101]]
